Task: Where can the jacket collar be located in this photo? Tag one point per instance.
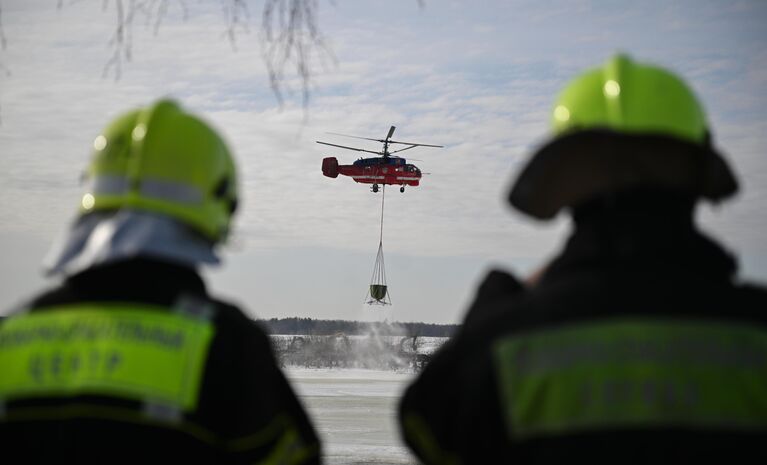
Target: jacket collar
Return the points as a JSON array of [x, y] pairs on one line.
[[138, 275], [645, 235]]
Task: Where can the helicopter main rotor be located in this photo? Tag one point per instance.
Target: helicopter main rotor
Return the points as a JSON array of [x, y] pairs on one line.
[[385, 153]]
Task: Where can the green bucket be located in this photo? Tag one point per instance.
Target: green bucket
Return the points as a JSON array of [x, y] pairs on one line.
[[378, 291]]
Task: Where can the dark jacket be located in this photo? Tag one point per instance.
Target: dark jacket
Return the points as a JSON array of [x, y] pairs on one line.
[[635, 346], [245, 413]]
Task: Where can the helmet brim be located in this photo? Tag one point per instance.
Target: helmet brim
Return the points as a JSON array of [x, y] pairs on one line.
[[579, 166]]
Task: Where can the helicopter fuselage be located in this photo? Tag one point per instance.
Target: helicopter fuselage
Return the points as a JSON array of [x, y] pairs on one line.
[[376, 170]]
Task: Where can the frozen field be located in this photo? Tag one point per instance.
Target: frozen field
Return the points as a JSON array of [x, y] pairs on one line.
[[354, 412]]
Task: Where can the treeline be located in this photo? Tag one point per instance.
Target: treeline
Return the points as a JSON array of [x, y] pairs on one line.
[[308, 326]]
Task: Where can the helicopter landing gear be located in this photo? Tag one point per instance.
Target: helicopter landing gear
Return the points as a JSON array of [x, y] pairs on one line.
[[374, 189], [402, 189]]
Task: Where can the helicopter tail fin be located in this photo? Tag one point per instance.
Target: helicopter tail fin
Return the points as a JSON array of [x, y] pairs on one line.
[[330, 167]]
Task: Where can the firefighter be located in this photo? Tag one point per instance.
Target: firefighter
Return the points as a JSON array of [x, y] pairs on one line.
[[635, 344], [130, 360]]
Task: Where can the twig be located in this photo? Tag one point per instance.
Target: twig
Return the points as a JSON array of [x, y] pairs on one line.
[[290, 37], [236, 18]]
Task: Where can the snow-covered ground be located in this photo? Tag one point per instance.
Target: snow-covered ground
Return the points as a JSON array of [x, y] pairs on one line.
[[354, 412]]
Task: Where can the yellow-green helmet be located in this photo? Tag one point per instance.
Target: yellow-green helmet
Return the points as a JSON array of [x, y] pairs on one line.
[[621, 126], [164, 160]]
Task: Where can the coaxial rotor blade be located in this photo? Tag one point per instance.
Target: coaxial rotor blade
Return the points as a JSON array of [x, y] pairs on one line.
[[356, 137], [414, 144], [391, 131], [349, 148], [400, 150]]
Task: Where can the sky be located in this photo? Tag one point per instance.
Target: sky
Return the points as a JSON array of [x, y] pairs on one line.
[[479, 78]]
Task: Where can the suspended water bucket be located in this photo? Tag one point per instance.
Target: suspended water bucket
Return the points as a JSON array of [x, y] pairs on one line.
[[378, 291]]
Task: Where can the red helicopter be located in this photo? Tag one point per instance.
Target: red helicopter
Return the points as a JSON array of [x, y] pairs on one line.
[[386, 169]]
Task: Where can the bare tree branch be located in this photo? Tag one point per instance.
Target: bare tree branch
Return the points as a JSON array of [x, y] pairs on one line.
[[117, 42], [236, 18], [292, 44], [291, 39], [121, 42]]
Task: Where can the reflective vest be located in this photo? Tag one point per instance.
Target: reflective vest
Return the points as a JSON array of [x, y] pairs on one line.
[[130, 351], [634, 373]]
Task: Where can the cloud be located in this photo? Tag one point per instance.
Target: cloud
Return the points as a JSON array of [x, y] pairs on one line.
[[477, 78]]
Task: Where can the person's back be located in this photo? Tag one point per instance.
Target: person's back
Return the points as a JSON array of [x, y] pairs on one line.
[[634, 345], [130, 360]]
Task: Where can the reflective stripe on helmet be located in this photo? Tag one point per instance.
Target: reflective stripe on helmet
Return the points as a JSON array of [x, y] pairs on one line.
[[160, 189], [109, 185], [171, 191]]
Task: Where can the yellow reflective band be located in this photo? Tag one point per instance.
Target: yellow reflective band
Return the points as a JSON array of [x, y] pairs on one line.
[[289, 450], [634, 374], [140, 353], [420, 435]]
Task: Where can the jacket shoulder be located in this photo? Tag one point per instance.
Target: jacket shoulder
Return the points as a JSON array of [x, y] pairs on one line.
[[753, 291]]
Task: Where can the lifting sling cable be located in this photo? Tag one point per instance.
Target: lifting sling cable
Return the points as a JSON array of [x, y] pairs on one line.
[[378, 292], [383, 198]]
